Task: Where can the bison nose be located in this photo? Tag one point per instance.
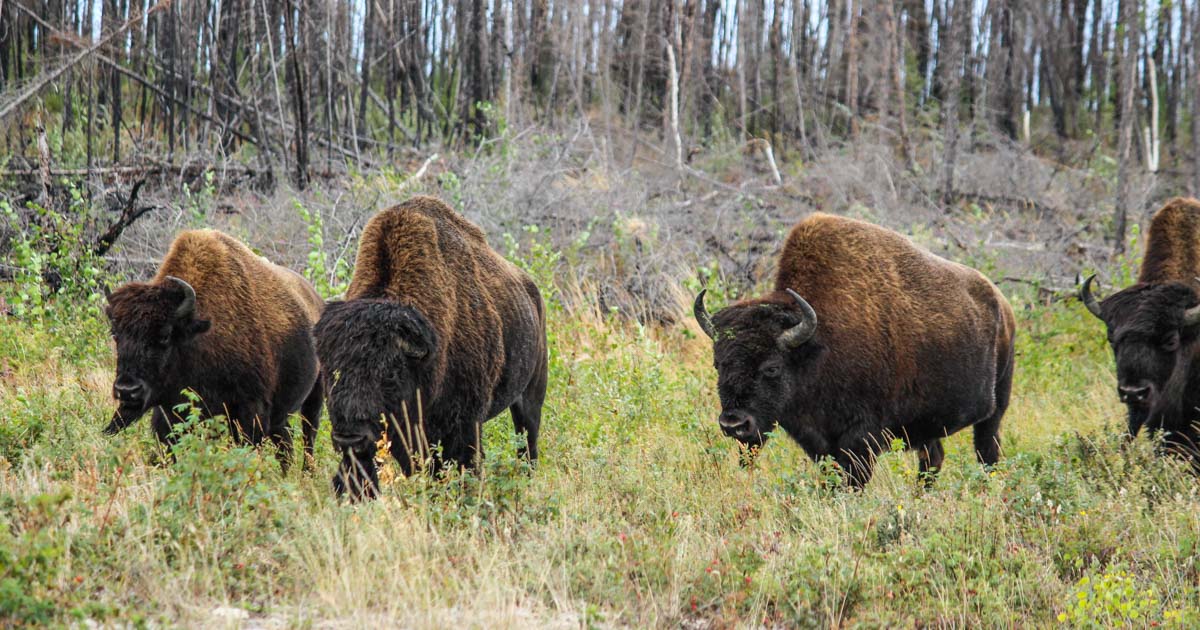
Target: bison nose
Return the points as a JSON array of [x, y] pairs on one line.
[[129, 390], [352, 441], [734, 423], [1133, 393]]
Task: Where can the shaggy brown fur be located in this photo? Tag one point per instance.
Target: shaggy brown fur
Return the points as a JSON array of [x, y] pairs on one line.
[[247, 350], [908, 344], [1154, 345], [426, 283], [1173, 243]]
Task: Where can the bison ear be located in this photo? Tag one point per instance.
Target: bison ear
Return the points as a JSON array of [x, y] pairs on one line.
[[415, 336], [198, 326]]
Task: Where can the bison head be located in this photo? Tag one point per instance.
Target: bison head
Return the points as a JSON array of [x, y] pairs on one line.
[[373, 353], [761, 350], [152, 325], [1152, 329]]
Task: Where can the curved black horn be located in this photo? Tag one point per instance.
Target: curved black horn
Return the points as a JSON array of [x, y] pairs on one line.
[[188, 306], [1191, 317], [702, 316], [799, 334], [1089, 300]]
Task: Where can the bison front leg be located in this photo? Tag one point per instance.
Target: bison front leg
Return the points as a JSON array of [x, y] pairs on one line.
[[930, 455], [857, 464], [464, 450], [357, 476], [281, 436], [164, 430]]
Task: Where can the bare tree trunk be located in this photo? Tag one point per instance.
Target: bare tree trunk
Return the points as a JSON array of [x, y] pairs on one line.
[[852, 67], [673, 99], [1128, 67], [295, 76], [1196, 101], [893, 41], [951, 66]]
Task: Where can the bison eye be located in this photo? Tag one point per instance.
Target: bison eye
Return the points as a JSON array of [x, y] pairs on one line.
[[770, 371], [1171, 343]]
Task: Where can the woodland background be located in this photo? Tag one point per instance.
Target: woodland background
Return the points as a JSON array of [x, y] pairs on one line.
[[1070, 118]]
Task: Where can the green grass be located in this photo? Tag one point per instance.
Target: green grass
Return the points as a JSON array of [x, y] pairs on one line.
[[638, 514]]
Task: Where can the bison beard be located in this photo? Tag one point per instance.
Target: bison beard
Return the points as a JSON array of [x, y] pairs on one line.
[[865, 338], [438, 334]]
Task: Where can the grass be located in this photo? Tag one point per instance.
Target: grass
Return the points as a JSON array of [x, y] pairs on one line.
[[638, 514]]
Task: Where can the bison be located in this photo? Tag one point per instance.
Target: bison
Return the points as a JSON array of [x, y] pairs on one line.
[[228, 325], [1154, 330], [437, 334], [866, 337]]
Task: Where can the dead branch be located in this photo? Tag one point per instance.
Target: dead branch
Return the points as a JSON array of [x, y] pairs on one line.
[[48, 77], [130, 213], [108, 61]]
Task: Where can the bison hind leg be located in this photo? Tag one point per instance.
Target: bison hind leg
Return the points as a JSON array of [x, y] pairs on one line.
[[310, 422], [281, 436], [527, 414], [987, 432], [930, 455], [527, 420]]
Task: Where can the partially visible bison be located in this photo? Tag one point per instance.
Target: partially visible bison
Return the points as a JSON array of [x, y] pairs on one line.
[[1154, 329], [865, 338], [438, 334], [228, 325]]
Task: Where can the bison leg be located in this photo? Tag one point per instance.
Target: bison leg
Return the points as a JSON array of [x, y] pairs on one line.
[[357, 476], [987, 433], [463, 449], [281, 437], [400, 452], [164, 431], [930, 455], [527, 419], [987, 439], [527, 413], [310, 421], [858, 464]]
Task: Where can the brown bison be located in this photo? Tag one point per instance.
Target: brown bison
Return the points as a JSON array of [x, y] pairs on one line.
[[1154, 330], [438, 334], [866, 337], [228, 325]]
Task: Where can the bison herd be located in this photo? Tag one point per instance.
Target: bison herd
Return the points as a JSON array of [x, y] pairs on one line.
[[865, 338]]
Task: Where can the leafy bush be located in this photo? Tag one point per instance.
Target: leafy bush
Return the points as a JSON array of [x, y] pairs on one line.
[[1113, 598]]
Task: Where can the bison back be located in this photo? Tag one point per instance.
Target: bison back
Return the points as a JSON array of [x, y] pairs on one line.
[[925, 337]]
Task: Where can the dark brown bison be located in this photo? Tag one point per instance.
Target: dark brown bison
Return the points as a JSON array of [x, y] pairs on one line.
[[228, 325], [438, 334], [1154, 330], [865, 338]]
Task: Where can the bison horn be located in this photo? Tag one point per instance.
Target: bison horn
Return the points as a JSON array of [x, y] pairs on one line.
[[1089, 300], [702, 316], [1191, 317], [799, 334], [188, 306]]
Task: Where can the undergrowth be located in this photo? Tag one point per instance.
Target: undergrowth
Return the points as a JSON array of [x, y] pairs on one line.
[[638, 513]]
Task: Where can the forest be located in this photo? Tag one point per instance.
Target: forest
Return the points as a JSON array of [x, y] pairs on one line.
[[625, 155]]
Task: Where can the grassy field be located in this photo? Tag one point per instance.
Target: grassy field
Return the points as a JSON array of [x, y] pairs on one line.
[[638, 514]]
